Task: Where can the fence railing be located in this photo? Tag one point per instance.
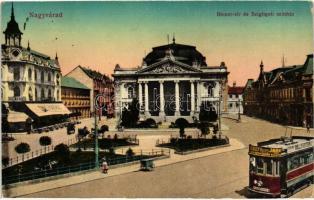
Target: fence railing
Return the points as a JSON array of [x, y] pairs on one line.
[[39, 173], [33, 154]]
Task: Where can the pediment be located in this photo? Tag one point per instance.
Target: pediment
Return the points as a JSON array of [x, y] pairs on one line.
[[168, 67]]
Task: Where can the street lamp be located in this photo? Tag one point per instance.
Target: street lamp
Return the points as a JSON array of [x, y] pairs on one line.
[[219, 107], [239, 113], [96, 137]]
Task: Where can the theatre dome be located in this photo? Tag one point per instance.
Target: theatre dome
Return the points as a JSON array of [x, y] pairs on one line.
[[183, 53]]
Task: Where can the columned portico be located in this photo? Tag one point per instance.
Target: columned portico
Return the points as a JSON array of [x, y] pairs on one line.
[[140, 95], [146, 100], [177, 92], [162, 99], [198, 101], [176, 81], [192, 98]]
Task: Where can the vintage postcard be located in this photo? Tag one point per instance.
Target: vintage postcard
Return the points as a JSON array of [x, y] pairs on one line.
[[157, 99]]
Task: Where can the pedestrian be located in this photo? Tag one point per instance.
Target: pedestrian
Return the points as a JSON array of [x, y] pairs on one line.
[[308, 127], [304, 123], [105, 166]]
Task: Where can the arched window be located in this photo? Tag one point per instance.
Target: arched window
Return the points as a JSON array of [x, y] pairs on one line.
[[17, 91], [42, 94], [35, 75], [130, 92], [57, 95], [210, 91], [36, 94], [49, 93], [57, 78], [42, 76], [30, 94], [49, 77], [29, 74], [16, 73]]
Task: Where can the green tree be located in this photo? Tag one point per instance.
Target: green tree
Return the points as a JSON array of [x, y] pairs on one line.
[[62, 153], [22, 148], [182, 124], [45, 141], [130, 116], [130, 152], [4, 119]]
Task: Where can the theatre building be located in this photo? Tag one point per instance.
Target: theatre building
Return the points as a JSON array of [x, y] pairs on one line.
[[172, 82], [283, 95], [30, 83]]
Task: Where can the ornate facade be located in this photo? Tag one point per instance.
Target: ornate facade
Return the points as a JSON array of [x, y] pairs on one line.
[[27, 75], [172, 82], [30, 83], [283, 95], [76, 97]]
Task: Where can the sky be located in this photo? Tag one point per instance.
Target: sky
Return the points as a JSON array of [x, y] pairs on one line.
[[102, 34]]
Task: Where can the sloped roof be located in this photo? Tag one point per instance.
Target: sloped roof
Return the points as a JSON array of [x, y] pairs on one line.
[[235, 90], [72, 83], [94, 74]]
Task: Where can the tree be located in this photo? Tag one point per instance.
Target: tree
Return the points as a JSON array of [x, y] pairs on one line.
[[130, 152], [182, 124], [4, 119], [62, 153], [207, 114], [204, 128], [45, 141], [22, 148], [130, 116], [103, 129]]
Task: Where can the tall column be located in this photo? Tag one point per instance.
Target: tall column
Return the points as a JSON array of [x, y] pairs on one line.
[[198, 99], [140, 95], [162, 100], [192, 98], [146, 100], [177, 92]]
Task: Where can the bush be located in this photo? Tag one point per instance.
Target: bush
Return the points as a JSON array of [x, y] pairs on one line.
[[22, 148], [62, 153], [130, 152], [45, 141], [5, 161]]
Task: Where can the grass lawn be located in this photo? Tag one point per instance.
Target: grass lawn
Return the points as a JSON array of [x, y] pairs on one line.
[[182, 144], [104, 143]]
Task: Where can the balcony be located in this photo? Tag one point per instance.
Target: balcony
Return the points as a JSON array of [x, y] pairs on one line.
[[17, 99]]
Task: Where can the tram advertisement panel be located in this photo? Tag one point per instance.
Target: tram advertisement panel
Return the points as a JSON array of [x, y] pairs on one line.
[[264, 151]]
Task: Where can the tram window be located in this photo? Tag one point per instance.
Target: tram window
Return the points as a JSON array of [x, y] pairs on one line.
[[252, 165], [260, 165], [269, 167], [276, 166]]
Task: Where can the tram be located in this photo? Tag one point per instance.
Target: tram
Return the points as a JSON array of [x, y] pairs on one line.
[[279, 167]]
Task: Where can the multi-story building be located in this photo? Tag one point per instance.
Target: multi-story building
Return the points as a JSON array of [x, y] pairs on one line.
[[30, 80], [235, 99], [98, 84], [283, 95], [76, 97], [172, 82]]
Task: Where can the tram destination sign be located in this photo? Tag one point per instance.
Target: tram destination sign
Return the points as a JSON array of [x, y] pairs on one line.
[[264, 151]]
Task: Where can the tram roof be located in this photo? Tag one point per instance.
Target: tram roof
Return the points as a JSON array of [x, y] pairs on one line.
[[289, 145]]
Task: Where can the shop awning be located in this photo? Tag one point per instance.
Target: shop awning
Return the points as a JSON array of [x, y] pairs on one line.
[[17, 116], [46, 109]]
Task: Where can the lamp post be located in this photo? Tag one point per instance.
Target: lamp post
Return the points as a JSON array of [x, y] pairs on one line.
[[96, 137], [219, 108], [239, 110]]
